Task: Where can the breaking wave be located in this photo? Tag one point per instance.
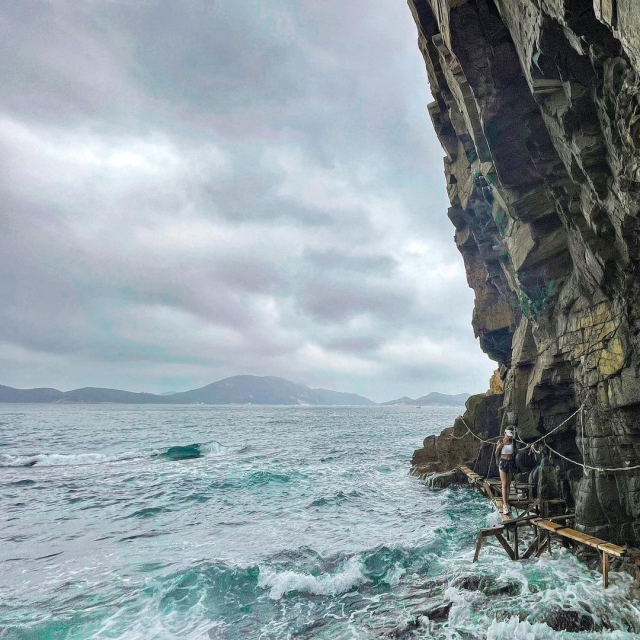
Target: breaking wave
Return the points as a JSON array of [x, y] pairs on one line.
[[190, 451], [180, 452], [327, 584]]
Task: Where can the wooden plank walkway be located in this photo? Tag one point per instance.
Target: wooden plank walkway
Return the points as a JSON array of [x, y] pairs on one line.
[[547, 528], [521, 497]]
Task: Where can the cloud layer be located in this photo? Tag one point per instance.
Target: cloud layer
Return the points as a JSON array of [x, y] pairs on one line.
[[190, 190]]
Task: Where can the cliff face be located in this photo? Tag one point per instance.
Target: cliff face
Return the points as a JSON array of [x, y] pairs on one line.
[[537, 107]]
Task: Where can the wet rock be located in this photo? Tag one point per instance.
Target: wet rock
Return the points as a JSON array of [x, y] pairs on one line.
[[536, 106], [573, 621], [472, 582], [487, 585], [439, 612], [506, 589], [455, 446], [443, 480]]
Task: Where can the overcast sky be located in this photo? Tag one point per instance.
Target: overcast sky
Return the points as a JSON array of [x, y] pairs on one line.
[[196, 189]]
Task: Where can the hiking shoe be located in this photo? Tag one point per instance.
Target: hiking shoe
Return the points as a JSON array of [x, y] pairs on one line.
[[505, 509]]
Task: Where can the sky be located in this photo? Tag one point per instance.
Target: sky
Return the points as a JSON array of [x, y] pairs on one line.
[[194, 189]]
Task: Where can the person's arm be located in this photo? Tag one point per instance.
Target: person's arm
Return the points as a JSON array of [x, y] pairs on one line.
[[499, 446]]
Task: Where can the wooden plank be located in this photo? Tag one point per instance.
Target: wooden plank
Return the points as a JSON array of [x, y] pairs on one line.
[[613, 549], [572, 534], [521, 504], [491, 531], [566, 516], [523, 520], [548, 526], [478, 546], [595, 542], [505, 546]]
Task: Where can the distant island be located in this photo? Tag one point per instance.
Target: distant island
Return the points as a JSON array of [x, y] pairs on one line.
[[260, 390], [434, 397], [234, 390]]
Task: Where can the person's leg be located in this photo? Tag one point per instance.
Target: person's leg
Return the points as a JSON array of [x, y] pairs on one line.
[[505, 492], [508, 487]]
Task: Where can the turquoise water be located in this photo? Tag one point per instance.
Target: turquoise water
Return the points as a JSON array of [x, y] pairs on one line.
[[270, 522]]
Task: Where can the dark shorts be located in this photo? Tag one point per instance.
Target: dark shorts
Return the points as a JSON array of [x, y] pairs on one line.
[[508, 466]]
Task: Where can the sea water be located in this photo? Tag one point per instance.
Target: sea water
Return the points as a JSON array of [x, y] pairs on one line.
[[262, 522]]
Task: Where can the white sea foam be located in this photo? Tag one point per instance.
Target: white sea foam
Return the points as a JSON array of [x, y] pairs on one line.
[[513, 629], [328, 584], [54, 459], [69, 459], [212, 448]]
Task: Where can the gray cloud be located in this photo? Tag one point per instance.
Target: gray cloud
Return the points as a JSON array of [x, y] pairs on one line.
[[190, 190]]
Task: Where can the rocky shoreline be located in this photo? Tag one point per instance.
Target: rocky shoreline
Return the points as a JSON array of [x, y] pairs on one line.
[[537, 107]]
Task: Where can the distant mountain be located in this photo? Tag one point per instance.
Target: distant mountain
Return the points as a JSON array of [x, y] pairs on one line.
[[97, 394], [444, 398], [434, 397], [403, 400], [9, 394], [264, 390], [235, 390]]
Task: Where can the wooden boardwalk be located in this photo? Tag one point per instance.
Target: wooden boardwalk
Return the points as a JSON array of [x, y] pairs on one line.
[[535, 514]]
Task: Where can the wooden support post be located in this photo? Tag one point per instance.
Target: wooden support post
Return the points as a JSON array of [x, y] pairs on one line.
[[546, 542], [505, 546], [515, 543], [605, 569], [531, 549], [478, 546]]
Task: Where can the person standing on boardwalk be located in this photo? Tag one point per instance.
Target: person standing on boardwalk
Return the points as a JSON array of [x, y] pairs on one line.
[[507, 450]]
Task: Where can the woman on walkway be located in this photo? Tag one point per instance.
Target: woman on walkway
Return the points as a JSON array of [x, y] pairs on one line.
[[507, 450]]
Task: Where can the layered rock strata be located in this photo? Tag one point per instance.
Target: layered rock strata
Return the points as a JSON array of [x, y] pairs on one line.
[[537, 107]]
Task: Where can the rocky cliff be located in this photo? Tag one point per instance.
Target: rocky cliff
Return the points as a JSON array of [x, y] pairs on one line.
[[537, 107]]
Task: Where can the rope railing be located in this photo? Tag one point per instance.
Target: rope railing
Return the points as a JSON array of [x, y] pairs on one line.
[[493, 441], [546, 435], [532, 445], [588, 466]]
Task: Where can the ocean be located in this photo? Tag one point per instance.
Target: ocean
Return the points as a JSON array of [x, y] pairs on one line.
[[263, 522]]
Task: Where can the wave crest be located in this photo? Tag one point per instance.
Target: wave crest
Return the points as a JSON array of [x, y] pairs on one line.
[[53, 459], [327, 584], [180, 452], [190, 451]]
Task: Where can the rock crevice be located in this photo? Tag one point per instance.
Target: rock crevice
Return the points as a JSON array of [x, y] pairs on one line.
[[537, 107]]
